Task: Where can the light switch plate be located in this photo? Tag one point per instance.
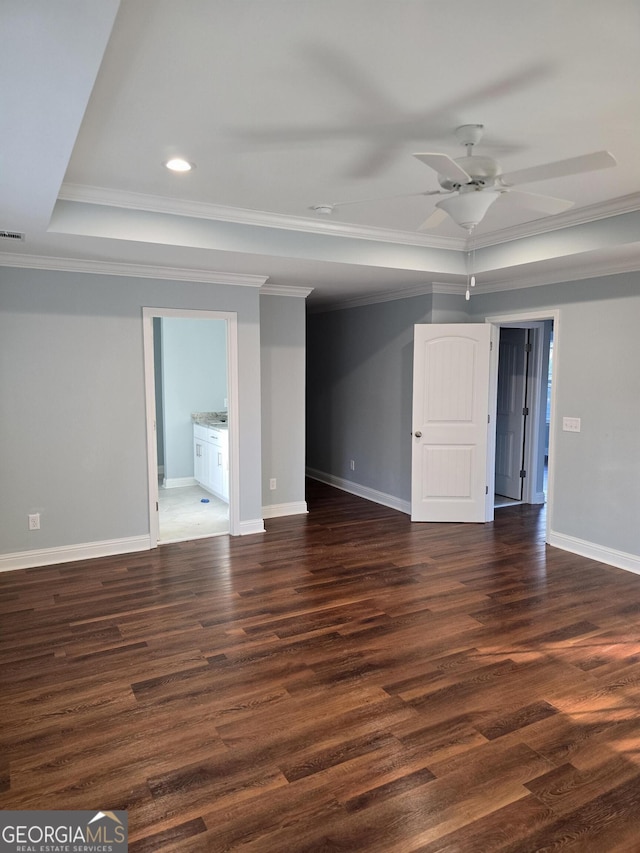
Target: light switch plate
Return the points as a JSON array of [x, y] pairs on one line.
[[571, 424]]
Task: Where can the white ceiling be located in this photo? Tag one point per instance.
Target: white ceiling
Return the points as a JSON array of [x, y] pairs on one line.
[[286, 104]]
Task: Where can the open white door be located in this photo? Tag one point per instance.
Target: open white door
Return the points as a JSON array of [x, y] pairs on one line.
[[451, 377]]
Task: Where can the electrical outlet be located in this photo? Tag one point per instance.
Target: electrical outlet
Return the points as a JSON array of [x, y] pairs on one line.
[[34, 521], [272, 483], [571, 424]]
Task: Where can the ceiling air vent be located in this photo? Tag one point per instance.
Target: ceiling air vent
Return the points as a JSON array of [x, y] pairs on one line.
[[11, 235]]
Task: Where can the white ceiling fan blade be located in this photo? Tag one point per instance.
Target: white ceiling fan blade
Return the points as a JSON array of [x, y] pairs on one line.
[[444, 165], [542, 203], [561, 168], [434, 219]]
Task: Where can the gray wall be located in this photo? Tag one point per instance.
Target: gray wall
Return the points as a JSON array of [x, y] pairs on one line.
[[72, 403], [282, 338], [596, 357], [194, 379], [359, 397], [359, 393]]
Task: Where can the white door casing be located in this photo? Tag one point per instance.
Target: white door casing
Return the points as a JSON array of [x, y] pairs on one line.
[[233, 408], [510, 418], [532, 320], [451, 405]]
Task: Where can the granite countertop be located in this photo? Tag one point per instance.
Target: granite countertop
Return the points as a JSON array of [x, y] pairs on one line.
[[210, 419]]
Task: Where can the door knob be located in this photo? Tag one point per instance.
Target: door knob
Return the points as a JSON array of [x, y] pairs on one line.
[[418, 434]]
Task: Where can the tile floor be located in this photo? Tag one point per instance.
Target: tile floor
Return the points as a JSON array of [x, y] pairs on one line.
[[184, 516]]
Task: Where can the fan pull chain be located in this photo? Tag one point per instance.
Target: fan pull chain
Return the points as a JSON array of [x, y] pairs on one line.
[[471, 265]]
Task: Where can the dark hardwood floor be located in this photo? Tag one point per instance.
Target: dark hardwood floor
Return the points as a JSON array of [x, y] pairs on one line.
[[348, 681]]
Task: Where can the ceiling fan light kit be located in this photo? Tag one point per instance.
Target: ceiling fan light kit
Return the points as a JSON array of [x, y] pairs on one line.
[[473, 183], [468, 208]]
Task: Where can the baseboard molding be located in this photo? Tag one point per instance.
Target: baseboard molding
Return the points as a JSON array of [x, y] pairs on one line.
[[619, 559], [246, 528], [179, 482], [360, 491], [73, 553], [279, 510]]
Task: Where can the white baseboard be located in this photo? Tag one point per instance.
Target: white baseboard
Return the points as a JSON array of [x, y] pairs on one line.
[[360, 491], [619, 559], [278, 510], [255, 525], [72, 553], [179, 482]]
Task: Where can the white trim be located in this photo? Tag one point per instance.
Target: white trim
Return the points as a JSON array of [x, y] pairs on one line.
[[231, 319], [610, 556], [148, 355], [373, 299], [558, 222], [204, 210], [376, 298], [591, 269], [452, 287], [490, 471], [360, 491], [279, 510], [72, 553], [248, 528], [537, 404], [84, 265], [528, 318], [284, 290], [427, 289], [179, 482]]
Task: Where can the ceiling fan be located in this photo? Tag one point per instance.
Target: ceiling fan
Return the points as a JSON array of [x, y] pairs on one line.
[[473, 183]]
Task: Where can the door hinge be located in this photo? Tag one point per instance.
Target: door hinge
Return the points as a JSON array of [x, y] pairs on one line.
[[523, 473], [528, 348], [157, 507], [486, 490], [490, 346], [525, 410], [488, 419]]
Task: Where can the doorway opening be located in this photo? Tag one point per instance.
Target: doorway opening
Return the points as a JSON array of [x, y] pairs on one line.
[[191, 389], [524, 410]]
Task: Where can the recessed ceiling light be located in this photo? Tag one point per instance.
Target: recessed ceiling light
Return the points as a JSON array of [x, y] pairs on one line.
[[178, 164]]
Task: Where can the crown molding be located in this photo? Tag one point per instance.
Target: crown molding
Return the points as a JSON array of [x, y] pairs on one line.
[[547, 224], [372, 299], [83, 265], [86, 194], [205, 210], [451, 287], [593, 269], [283, 290]]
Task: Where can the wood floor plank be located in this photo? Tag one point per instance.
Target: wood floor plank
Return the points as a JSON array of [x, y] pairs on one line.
[[346, 681]]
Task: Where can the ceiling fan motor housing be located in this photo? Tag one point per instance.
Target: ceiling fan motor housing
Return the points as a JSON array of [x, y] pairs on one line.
[[483, 172]]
